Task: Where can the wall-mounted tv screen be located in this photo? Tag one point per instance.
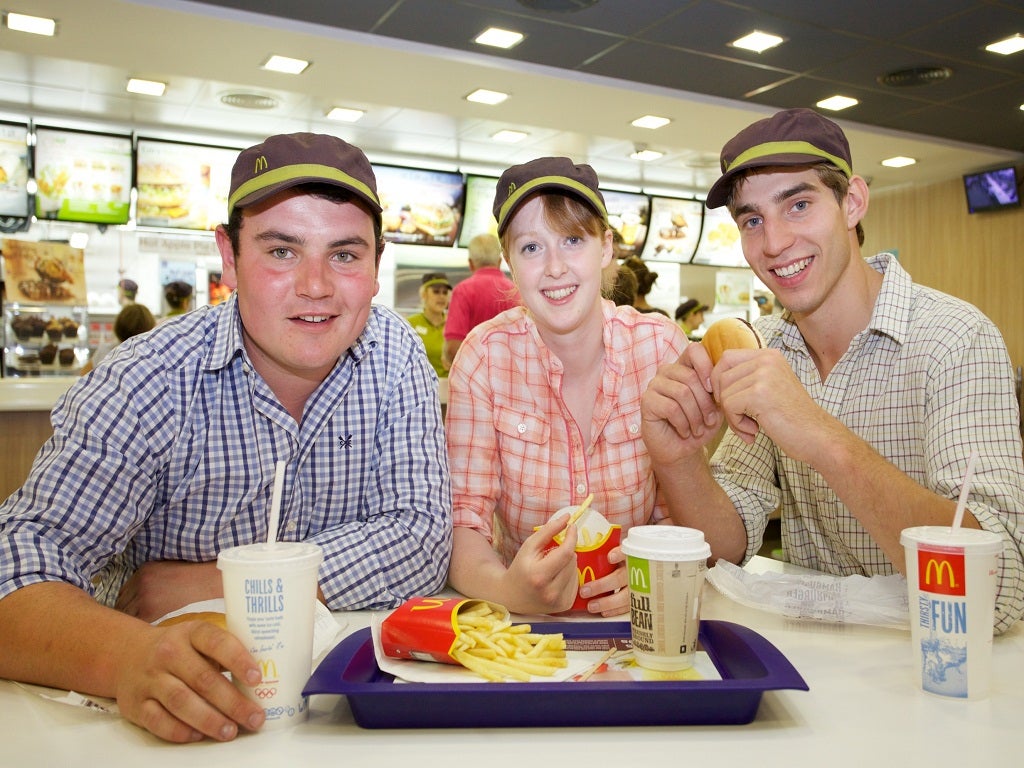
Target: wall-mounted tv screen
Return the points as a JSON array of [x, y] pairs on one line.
[[14, 170], [182, 185], [992, 190], [629, 214], [421, 207], [82, 175], [719, 244], [478, 217], [674, 229]]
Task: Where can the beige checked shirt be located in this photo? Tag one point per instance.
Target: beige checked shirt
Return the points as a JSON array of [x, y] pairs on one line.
[[928, 380]]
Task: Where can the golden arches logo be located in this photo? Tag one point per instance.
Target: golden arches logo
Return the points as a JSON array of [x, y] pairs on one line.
[[638, 579], [261, 164], [585, 575], [941, 573], [427, 604], [268, 669]]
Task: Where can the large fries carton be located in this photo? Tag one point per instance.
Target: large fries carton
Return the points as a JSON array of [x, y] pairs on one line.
[[597, 538], [427, 628]]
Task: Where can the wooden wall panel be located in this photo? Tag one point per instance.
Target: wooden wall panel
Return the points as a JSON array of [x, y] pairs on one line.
[[979, 258]]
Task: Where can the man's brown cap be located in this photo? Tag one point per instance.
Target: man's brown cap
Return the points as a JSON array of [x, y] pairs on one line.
[[791, 137], [287, 160]]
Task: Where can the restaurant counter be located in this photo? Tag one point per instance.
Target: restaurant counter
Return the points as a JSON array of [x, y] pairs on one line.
[[863, 709], [25, 405]]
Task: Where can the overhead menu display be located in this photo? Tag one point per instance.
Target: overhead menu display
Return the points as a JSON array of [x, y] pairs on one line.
[[479, 214], [628, 214], [13, 170], [719, 244], [182, 186], [421, 207], [674, 229], [83, 176]]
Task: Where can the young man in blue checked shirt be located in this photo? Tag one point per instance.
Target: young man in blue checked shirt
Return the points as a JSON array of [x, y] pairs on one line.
[[165, 454]]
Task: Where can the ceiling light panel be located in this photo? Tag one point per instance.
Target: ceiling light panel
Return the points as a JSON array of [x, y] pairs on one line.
[[898, 162], [484, 96], [1013, 44], [344, 114], [509, 136], [651, 121], [146, 87], [836, 103], [757, 41], [496, 37], [285, 65], [35, 25]]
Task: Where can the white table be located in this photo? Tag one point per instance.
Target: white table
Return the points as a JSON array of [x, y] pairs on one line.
[[862, 709]]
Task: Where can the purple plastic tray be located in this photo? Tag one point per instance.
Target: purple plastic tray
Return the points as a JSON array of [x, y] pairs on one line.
[[749, 666]]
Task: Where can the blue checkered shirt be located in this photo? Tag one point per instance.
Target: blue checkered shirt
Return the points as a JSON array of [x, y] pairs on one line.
[[167, 451]]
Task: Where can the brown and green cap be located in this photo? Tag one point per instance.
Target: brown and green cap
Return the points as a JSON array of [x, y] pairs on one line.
[[546, 173], [790, 137], [435, 278], [287, 160]]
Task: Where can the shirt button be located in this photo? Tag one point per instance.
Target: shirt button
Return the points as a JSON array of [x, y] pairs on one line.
[[633, 429], [521, 428], [581, 487], [290, 527]]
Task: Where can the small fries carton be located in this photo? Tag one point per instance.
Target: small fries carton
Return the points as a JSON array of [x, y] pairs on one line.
[[597, 537], [427, 628]]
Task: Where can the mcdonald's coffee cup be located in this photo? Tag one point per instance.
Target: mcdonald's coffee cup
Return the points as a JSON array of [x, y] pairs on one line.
[[666, 566], [269, 604], [951, 586]]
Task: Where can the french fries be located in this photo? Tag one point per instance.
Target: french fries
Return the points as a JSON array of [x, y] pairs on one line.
[[560, 536], [497, 650]]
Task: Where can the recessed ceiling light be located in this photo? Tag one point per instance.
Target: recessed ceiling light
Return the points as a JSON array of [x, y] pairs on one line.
[[756, 41], [646, 155], [484, 96], [146, 87], [509, 137], [499, 38], [285, 64], [344, 114], [1012, 44], [79, 240], [36, 25], [836, 103], [650, 121], [898, 162]]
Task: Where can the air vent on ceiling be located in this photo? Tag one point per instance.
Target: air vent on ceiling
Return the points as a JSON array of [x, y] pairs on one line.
[[244, 100], [905, 78], [557, 6]]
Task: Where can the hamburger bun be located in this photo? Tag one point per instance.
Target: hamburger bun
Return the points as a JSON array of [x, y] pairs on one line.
[[214, 617], [729, 333]]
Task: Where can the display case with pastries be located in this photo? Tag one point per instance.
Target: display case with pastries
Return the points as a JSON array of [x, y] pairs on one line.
[[45, 340]]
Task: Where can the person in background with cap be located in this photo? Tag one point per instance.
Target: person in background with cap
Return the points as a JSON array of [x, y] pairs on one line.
[[166, 454], [544, 402], [690, 317], [429, 324], [178, 295], [858, 418]]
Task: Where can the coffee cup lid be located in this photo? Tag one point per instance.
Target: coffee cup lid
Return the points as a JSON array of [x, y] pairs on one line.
[[666, 542]]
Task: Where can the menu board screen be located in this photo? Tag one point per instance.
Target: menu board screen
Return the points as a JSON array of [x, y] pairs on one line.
[[83, 176], [421, 207], [14, 170], [182, 186], [628, 214], [479, 214], [674, 229], [719, 244]]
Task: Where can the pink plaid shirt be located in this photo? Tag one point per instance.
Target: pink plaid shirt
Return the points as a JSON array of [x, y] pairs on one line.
[[515, 453]]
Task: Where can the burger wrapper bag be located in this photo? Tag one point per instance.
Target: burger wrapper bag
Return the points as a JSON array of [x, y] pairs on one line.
[[425, 628]]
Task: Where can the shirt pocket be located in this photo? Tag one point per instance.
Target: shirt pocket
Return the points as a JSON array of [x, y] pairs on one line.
[[625, 465], [524, 445]]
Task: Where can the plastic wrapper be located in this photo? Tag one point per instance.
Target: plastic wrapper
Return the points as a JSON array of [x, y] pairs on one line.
[[875, 600]]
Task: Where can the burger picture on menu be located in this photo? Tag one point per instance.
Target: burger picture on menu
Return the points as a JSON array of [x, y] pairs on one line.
[[163, 192]]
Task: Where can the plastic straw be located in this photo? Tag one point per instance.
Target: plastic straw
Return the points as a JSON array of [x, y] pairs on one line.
[[275, 503], [961, 505]]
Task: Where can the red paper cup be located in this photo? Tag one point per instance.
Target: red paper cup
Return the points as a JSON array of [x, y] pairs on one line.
[[425, 628], [592, 562]]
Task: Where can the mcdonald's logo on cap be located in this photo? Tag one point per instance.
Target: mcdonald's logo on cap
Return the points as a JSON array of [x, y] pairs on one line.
[[261, 164], [941, 573]]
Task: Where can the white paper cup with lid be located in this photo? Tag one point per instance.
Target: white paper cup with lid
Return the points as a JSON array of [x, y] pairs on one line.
[[951, 587], [666, 566], [270, 593]]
